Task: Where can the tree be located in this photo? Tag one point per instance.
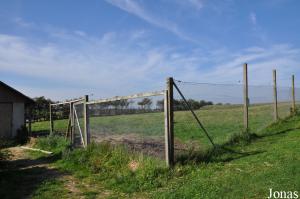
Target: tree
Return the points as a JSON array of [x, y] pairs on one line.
[[41, 108], [160, 104], [145, 103], [124, 103]]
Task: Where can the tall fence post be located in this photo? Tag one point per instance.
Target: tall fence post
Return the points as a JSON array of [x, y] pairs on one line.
[[70, 128], [50, 119], [246, 98], [29, 120], [72, 123], [293, 94], [275, 95], [86, 121], [169, 119], [166, 116]]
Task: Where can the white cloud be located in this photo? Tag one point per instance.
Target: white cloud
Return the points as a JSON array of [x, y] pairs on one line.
[[252, 18], [137, 10], [190, 4], [24, 24], [112, 65], [80, 33], [198, 4]]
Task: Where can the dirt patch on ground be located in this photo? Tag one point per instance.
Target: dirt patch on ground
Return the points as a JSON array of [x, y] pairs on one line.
[[149, 145], [30, 174]]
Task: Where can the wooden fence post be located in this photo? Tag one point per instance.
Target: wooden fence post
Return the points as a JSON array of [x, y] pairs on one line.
[[86, 121], [166, 116], [169, 119], [29, 120], [72, 123], [50, 119], [293, 94], [275, 95], [246, 98]]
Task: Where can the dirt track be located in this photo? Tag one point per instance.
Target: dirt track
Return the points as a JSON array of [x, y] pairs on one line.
[[30, 174]]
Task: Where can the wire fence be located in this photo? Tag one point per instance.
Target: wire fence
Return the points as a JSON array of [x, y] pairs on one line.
[[60, 115], [185, 117], [79, 136], [218, 107], [284, 101], [136, 123]]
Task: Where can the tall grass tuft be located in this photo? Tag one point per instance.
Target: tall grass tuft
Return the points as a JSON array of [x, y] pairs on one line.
[[118, 167], [53, 143]]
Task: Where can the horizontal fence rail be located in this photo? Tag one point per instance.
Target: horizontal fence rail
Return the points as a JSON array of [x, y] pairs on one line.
[[139, 95], [67, 102]]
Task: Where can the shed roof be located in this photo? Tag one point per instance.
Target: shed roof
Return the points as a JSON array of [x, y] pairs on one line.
[[27, 99]]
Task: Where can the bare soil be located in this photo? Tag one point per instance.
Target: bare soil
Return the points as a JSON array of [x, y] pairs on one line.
[[33, 172], [149, 145]]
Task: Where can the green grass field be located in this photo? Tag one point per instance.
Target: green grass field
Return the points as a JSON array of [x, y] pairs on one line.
[[240, 170], [221, 121]]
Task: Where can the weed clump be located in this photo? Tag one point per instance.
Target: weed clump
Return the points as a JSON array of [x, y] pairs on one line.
[[53, 143], [118, 167]]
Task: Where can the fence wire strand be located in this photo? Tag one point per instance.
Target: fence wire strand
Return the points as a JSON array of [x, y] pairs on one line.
[[220, 108], [60, 116], [137, 124]]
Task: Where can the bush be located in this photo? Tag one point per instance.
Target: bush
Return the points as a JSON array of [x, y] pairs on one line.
[[22, 135], [53, 143]]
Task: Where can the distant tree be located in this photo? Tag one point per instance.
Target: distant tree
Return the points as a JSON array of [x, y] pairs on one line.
[[145, 103], [194, 104], [160, 104], [124, 103], [41, 108], [181, 105]]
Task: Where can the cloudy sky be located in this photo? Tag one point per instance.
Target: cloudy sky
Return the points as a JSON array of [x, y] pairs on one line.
[[64, 48]]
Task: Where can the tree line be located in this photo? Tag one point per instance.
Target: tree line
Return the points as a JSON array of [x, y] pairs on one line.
[[40, 110]]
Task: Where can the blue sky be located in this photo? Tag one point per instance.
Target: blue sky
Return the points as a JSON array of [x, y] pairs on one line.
[[64, 48]]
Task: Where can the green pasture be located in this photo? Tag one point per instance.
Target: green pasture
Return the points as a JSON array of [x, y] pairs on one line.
[[221, 121]]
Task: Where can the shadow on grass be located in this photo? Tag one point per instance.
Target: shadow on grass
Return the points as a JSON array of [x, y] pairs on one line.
[[22, 163], [20, 178], [278, 132], [42, 133], [214, 155]]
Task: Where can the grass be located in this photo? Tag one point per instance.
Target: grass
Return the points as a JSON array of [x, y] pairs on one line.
[[50, 189], [115, 168], [221, 121], [55, 144], [246, 167], [243, 168]]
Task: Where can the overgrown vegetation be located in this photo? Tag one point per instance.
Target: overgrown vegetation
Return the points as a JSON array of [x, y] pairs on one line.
[[116, 167], [53, 143], [255, 162], [22, 135], [242, 165]]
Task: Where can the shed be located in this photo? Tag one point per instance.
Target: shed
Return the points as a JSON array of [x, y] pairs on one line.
[[12, 110]]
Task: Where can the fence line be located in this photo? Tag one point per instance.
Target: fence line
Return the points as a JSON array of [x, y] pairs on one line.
[[169, 108]]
